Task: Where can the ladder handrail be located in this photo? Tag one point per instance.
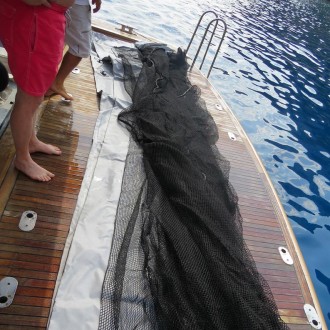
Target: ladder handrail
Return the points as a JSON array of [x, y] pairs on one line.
[[220, 43], [216, 22], [197, 26]]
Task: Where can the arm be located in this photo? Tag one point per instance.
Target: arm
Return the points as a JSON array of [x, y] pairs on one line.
[[97, 4]]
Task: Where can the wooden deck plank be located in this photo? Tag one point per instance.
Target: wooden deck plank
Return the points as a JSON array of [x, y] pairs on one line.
[[22, 321], [30, 274]]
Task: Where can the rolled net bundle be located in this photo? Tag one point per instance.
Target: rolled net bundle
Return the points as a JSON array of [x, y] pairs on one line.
[[195, 270]]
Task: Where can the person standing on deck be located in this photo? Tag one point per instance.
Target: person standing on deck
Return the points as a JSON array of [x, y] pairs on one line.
[[32, 32], [78, 36]]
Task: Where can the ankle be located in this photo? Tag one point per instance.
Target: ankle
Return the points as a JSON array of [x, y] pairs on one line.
[[23, 158]]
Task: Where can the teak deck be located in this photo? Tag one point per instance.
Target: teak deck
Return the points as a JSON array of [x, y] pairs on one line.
[[33, 258]]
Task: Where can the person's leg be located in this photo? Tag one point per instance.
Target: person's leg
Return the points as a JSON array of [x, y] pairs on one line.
[[22, 127], [78, 36], [69, 62]]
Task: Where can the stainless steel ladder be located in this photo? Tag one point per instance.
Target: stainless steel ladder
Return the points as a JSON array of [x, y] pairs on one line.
[[215, 21]]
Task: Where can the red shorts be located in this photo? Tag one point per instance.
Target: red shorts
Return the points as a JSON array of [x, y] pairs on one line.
[[33, 37]]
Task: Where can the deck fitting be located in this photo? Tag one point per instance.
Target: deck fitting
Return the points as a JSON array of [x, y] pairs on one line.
[[285, 255], [232, 136], [76, 71], [126, 28], [312, 316], [28, 220], [8, 286]]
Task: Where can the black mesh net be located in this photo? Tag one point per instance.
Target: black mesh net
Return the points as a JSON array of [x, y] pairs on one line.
[[178, 259]]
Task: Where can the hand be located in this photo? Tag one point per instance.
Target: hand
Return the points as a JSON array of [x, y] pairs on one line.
[[38, 2], [97, 4]]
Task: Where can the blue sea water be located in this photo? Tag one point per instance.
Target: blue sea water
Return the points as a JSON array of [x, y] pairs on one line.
[[274, 72]]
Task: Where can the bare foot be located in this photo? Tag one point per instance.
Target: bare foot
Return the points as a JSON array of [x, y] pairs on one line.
[[33, 170], [60, 90], [49, 149]]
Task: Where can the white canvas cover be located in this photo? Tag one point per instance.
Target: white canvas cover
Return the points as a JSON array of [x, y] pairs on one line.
[[77, 299]]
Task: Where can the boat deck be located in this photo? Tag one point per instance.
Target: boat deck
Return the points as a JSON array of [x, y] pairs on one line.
[[33, 258]]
